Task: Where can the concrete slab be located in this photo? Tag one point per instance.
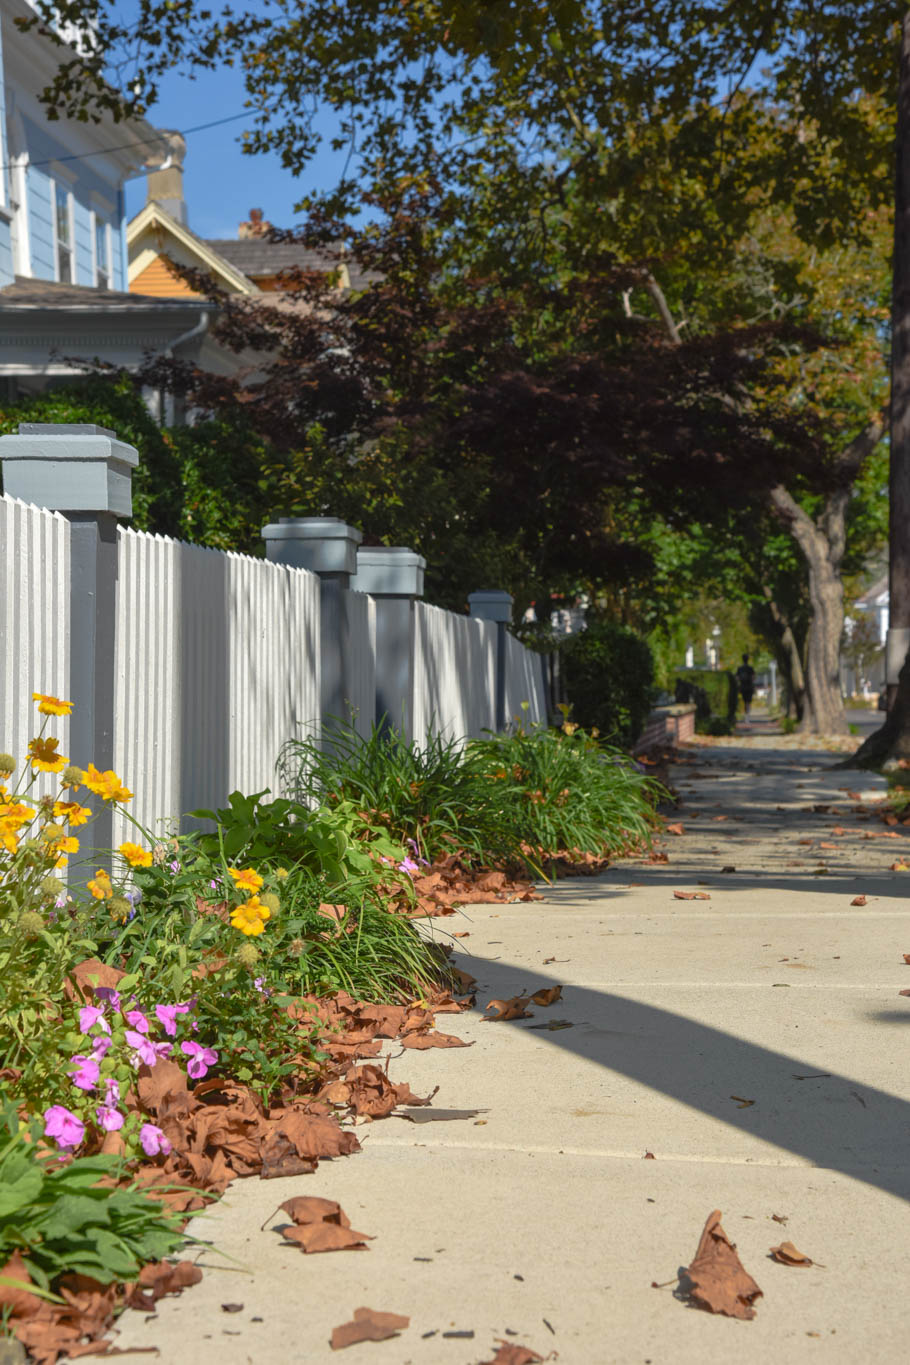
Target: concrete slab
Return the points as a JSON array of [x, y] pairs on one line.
[[543, 1209]]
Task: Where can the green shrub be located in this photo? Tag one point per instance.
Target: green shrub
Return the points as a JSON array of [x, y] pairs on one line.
[[609, 673], [714, 725], [713, 691]]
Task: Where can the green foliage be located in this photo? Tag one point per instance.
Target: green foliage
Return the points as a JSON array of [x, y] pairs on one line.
[[64, 1221], [609, 674], [713, 691], [490, 800]]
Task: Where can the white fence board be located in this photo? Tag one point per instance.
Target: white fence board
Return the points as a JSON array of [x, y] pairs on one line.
[[454, 679], [217, 665], [524, 683], [34, 625], [360, 660]]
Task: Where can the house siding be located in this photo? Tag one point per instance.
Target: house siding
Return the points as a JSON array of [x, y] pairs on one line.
[[159, 281], [82, 242], [118, 247], [6, 254], [41, 224]]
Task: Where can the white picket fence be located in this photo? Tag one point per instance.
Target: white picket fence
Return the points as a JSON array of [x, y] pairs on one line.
[[217, 663]]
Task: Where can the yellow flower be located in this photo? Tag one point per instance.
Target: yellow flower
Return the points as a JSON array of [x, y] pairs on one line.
[[136, 856], [9, 839], [58, 840], [52, 706], [249, 919], [245, 880], [106, 784], [282, 873], [13, 814], [71, 812], [44, 756], [100, 885]]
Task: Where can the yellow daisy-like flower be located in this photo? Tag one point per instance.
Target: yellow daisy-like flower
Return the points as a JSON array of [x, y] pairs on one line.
[[249, 919], [106, 785], [9, 839], [44, 757], [136, 855], [282, 873], [100, 886], [13, 814], [59, 841], [52, 706], [246, 879], [71, 812]]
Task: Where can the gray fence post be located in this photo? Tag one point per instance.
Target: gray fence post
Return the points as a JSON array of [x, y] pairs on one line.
[[85, 473], [495, 605], [393, 577], [327, 547]]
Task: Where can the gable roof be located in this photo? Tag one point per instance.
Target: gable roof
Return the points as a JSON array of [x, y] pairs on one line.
[[154, 223], [26, 293]]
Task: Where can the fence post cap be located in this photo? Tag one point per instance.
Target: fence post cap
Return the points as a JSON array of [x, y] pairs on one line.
[[69, 467], [389, 571], [492, 604], [324, 545]]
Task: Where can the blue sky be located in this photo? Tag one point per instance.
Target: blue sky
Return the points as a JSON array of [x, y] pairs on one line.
[[221, 184]]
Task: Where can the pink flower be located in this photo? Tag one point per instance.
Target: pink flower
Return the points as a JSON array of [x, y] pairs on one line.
[[108, 994], [167, 1016], [109, 1119], [408, 865], [89, 1016], [145, 1051], [138, 1020], [111, 1091], [86, 1072], [101, 1046], [201, 1058], [63, 1125], [153, 1140]]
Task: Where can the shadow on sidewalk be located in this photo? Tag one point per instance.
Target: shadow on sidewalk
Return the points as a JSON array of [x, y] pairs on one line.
[[834, 1121]]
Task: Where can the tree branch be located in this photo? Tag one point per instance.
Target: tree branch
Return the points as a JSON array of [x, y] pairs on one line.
[[663, 308]]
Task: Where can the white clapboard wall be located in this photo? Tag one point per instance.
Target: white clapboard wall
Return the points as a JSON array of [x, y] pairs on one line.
[[454, 677]]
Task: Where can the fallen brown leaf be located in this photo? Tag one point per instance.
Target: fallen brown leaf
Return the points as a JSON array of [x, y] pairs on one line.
[[675, 829], [786, 1254], [780, 1218], [824, 845], [321, 1225], [716, 1278], [547, 995], [859, 900], [368, 1325], [510, 1354], [899, 866], [160, 1278], [513, 1008], [420, 1042], [691, 896]]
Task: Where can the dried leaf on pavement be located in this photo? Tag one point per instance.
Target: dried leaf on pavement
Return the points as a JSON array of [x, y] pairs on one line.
[[676, 829], [160, 1278], [786, 1254], [716, 1279], [859, 900], [421, 1041], [547, 995], [691, 896], [368, 1325], [510, 1354], [899, 866], [513, 1008], [321, 1225]]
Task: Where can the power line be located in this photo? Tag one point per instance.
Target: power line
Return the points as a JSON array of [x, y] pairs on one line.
[[126, 146]]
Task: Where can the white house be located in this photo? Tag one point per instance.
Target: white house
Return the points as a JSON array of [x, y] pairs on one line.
[[64, 288]]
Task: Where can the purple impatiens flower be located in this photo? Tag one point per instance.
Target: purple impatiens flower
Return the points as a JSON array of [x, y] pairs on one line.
[[108, 994], [85, 1073], [409, 866], [89, 1016], [138, 1020], [109, 1119], [153, 1140], [62, 1124], [167, 1017], [201, 1058]]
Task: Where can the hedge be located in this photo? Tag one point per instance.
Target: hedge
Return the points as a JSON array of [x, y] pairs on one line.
[[609, 676], [714, 692]]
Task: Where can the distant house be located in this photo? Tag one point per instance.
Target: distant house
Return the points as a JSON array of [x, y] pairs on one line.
[[64, 289], [160, 242]]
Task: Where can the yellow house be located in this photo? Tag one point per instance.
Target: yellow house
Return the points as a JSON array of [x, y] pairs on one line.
[[159, 237]]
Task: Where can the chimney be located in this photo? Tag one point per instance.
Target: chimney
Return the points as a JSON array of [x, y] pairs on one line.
[[165, 175], [256, 227]]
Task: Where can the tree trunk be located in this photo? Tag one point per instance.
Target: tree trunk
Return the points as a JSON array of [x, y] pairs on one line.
[[786, 650], [893, 739], [822, 545]]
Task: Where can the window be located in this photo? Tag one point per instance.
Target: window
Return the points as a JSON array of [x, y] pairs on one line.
[[64, 235], [102, 254]]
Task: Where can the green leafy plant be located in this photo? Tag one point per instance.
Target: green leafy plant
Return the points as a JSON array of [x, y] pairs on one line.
[[609, 674], [63, 1219]]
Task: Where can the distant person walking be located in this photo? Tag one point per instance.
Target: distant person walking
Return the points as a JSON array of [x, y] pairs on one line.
[[745, 678]]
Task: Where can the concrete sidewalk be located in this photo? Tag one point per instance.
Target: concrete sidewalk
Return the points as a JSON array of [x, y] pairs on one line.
[[542, 1221]]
